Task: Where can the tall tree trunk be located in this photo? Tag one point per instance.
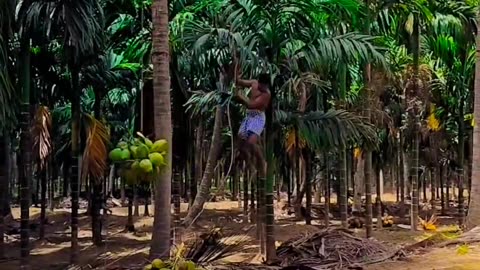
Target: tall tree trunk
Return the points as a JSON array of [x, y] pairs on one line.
[[401, 169], [198, 161], [473, 218], [136, 206], [74, 176], [327, 191], [176, 198], [204, 192], [270, 249], [24, 164], [378, 198], [342, 195], [130, 226], [308, 187], [433, 186], [358, 185], [368, 170], [416, 130], [97, 202], [461, 161], [253, 196], [43, 202], [246, 179], [4, 184], [160, 244]]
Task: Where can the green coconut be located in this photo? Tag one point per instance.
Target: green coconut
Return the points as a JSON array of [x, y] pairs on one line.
[[125, 154], [146, 165], [142, 151], [159, 146], [157, 159], [116, 154]]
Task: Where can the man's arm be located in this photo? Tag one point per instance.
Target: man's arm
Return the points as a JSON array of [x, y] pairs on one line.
[[259, 103], [241, 82], [245, 83]]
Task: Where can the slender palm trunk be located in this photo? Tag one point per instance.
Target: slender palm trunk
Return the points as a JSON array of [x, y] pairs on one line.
[[136, 206], [213, 154], [4, 206], [461, 160], [473, 218], [270, 249], [368, 170], [308, 187], [24, 164], [74, 176], [416, 137], [378, 199], [327, 191], [342, 195], [160, 245], [198, 162], [43, 202], [401, 168], [176, 198]]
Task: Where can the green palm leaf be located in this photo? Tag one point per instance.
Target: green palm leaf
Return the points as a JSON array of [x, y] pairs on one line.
[[332, 129]]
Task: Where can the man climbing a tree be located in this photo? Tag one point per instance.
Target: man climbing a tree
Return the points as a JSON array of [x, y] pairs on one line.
[[254, 123]]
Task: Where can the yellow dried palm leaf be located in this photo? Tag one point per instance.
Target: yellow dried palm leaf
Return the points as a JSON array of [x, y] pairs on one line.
[[357, 153], [433, 122], [42, 145], [290, 141], [94, 161]]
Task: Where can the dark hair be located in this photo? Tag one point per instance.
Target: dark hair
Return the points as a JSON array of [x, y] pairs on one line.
[[264, 79]]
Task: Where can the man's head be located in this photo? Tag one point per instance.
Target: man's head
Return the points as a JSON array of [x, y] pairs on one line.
[[264, 82]]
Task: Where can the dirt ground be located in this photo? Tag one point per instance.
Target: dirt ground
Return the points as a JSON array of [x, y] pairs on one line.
[[123, 250]]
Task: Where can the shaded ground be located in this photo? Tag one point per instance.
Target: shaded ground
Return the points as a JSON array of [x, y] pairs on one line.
[[127, 249]]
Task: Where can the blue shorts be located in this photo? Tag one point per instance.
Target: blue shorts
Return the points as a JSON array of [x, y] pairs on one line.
[[253, 123]]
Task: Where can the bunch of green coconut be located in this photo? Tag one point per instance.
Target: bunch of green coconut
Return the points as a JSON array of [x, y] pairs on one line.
[[139, 158], [158, 264]]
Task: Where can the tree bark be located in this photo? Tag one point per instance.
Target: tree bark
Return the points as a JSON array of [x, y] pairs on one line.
[[4, 202], [473, 218], [160, 244], [24, 162], [204, 192], [359, 185], [198, 162]]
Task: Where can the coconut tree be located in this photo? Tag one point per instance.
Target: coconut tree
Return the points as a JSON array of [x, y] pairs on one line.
[[160, 245], [473, 218]]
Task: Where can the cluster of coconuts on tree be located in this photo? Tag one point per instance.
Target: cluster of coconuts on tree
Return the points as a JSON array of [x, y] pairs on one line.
[[140, 158], [158, 264]]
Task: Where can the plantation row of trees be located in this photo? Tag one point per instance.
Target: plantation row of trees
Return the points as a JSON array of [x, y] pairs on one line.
[[359, 89]]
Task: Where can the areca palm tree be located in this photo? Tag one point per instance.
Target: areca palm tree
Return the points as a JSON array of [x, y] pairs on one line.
[[80, 26], [283, 37], [6, 9]]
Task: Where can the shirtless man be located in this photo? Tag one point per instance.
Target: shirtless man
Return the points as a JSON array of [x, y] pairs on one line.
[[254, 123]]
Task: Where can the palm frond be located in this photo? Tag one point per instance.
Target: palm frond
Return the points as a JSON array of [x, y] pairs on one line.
[[347, 48], [42, 142], [6, 86], [80, 23], [213, 246], [335, 128], [95, 155]]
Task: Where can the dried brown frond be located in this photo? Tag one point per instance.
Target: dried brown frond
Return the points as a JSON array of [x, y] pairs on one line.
[[428, 224], [291, 141], [95, 155], [42, 144]]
